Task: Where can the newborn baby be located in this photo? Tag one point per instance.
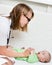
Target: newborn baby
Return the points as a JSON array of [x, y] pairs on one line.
[[42, 56]]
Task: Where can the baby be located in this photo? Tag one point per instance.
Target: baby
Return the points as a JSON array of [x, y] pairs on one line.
[[43, 56]]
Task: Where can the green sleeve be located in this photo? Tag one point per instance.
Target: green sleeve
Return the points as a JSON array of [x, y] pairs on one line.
[[31, 59], [19, 58]]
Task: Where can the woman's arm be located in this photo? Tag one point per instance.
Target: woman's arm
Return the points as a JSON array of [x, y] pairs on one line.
[[12, 53]]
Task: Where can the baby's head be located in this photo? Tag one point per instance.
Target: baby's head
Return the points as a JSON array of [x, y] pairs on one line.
[[44, 56]]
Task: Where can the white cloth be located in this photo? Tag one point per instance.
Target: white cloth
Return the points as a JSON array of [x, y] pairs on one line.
[[4, 34], [2, 60], [4, 30]]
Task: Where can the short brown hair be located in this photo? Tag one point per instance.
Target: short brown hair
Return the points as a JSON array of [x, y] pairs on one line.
[[16, 13]]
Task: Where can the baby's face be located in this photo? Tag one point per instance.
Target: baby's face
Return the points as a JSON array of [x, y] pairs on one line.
[[43, 56]]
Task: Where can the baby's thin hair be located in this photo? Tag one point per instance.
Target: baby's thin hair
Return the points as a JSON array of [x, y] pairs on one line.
[[49, 58]]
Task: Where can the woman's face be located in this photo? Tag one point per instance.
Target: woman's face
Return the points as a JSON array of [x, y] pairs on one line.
[[24, 19]]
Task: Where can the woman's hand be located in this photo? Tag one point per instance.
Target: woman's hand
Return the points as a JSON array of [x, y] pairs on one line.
[[28, 51]]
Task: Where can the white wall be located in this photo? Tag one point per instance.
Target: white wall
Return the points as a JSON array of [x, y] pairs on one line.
[[37, 7], [48, 2], [39, 33]]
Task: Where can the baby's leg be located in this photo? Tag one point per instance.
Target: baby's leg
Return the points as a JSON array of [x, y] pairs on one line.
[[9, 62]]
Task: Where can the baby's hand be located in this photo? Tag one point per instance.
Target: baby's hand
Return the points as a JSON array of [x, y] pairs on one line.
[[28, 52]]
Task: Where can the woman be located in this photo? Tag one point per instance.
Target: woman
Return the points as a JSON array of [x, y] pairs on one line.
[[18, 19]]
